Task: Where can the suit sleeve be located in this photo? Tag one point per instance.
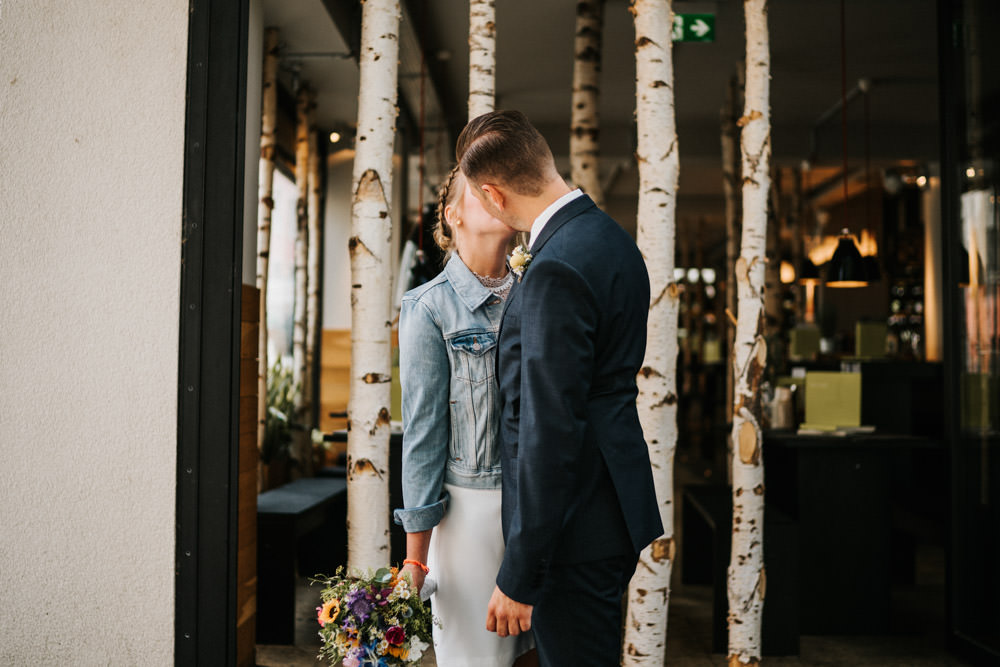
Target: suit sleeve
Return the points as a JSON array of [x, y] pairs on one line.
[[559, 318], [423, 373]]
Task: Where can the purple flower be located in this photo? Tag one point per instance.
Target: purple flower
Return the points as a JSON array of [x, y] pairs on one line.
[[395, 635], [384, 594], [360, 604]]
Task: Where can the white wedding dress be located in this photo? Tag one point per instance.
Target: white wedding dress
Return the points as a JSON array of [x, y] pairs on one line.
[[465, 553]]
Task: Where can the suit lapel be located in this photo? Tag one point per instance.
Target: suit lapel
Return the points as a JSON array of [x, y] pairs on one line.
[[560, 218]]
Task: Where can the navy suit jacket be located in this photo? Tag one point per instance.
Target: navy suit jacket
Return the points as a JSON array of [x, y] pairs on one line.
[[577, 482]]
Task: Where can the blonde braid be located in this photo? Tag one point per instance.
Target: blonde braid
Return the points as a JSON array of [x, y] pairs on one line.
[[447, 194]]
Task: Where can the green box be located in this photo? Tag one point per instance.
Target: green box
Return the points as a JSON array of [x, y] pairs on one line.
[[870, 340], [803, 342], [833, 400], [712, 351]]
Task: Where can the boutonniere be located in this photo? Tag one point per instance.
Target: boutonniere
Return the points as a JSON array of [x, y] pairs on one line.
[[519, 261]]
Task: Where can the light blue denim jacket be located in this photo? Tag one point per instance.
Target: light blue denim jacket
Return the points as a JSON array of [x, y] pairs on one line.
[[451, 405]]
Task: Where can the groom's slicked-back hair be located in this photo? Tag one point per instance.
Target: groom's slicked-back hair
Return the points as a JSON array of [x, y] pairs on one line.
[[503, 147]]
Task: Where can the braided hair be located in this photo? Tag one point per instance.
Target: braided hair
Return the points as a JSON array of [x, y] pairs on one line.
[[449, 193]]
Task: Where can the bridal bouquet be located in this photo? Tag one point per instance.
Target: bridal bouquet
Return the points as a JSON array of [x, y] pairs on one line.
[[372, 619]]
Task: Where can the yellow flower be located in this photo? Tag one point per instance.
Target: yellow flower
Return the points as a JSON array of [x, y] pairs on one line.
[[328, 612], [519, 260], [398, 652]]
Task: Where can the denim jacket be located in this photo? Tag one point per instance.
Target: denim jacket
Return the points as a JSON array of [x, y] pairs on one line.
[[451, 406]]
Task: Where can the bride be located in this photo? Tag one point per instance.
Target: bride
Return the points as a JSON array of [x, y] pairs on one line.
[[451, 420]]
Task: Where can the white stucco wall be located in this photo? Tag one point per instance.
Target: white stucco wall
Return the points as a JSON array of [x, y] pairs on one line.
[[336, 234], [92, 130]]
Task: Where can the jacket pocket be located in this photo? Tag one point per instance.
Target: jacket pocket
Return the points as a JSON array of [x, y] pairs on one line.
[[473, 354]]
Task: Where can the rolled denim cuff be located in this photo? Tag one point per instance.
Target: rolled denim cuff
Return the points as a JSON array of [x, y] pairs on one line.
[[419, 519]]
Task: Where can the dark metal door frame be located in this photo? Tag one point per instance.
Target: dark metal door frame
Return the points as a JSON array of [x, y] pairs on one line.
[[208, 382], [951, 90]]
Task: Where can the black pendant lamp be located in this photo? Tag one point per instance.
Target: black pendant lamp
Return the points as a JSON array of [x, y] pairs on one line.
[[846, 268]]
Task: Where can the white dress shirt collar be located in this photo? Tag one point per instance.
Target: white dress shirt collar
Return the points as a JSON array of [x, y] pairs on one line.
[[546, 215]]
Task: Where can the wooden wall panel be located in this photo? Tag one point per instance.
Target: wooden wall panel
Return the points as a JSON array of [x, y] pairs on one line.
[[246, 566], [335, 377]]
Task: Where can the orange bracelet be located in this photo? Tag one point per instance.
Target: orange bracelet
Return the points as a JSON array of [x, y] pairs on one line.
[[410, 561]]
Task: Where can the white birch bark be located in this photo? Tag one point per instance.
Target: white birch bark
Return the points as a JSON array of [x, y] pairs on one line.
[[746, 576], [371, 278], [269, 114], [313, 268], [300, 376], [482, 57], [585, 120], [649, 590]]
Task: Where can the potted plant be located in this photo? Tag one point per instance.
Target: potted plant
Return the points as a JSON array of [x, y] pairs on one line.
[[276, 447]]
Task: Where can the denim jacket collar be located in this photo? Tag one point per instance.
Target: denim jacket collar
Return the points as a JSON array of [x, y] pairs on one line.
[[466, 285]]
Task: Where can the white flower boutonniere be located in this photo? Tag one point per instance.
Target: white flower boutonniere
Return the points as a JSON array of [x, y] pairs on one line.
[[519, 261]]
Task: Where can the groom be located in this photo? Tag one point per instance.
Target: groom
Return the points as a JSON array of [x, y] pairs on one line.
[[578, 497]]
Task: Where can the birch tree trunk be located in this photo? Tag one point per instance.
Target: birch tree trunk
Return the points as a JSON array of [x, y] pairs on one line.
[[482, 57], [371, 285], [746, 577], [313, 269], [585, 121], [269, 114], [300, 375], [649, 590]]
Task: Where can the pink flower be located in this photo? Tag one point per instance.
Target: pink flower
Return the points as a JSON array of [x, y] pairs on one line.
[[395, 635]]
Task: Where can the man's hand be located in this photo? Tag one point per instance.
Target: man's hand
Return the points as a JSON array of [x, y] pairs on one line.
[[507, 617], [415, 575]]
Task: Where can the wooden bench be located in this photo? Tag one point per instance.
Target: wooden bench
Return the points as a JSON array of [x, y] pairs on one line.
[[302, 523], [706, 542]]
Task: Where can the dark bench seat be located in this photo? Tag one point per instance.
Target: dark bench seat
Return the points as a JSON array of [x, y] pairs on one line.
[[302, 523]]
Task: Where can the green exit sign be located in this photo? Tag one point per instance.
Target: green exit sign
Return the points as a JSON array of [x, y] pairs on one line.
[[694, 28]]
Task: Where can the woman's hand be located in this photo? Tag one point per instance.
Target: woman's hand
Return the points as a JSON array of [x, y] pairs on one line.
[[415, 574]]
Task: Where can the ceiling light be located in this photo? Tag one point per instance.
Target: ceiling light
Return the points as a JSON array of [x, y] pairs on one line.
[[971, 172], [692, 275], [847, 267], [334, 137], [787, 272]]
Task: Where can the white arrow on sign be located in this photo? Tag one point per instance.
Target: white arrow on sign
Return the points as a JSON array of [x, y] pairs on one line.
[[700, 28]]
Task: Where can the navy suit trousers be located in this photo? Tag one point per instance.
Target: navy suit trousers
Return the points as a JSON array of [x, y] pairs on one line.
[[578, 620]]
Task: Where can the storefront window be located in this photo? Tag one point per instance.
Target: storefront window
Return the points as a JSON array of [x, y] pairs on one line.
[[971, 148]]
